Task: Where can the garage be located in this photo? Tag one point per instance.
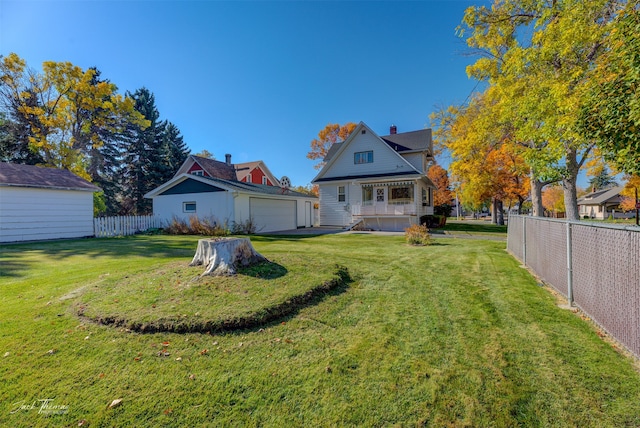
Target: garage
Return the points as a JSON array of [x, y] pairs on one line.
[[273, 214]]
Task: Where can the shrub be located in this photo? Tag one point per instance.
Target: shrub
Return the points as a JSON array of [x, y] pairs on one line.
[[444, 210], [417, 235], [433, 221], [196, 226], [247, 227]]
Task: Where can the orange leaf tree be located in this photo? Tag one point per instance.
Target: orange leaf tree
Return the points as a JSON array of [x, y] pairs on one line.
[[328, 136], [440, 177]]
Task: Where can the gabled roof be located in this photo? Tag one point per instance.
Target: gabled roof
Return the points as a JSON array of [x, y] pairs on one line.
[[410, 141], [229, 185], [403, 142], [17, 175], [338, 148], [602, 196], [244, 169], [211, 166]]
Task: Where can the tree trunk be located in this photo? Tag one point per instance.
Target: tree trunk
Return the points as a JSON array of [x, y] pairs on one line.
[[569, 186], [536, 197], [499, 212], [222, 256]]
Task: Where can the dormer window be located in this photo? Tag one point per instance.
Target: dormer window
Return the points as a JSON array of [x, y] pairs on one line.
[[363, 157], [198, 172]]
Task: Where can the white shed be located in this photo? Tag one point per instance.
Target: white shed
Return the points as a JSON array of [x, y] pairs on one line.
[[39, 203]]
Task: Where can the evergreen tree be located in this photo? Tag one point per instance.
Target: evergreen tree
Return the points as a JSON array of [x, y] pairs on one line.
[[178, 150], [139, 145], [151, 156], [603, 180]]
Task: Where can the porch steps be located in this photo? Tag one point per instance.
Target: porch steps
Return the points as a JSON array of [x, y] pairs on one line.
[[353, 224]]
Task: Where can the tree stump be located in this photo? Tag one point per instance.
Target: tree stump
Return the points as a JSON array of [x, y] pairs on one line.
[[222, 256]]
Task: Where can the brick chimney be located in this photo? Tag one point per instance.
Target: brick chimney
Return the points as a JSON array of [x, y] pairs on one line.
[[393, 130], [227, 159]]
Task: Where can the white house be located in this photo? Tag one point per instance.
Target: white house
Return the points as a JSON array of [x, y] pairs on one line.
[[599, 204], [270, 208], [375, 182], [39, 203]]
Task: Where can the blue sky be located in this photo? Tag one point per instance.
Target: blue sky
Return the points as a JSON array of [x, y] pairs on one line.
[[258, 80]]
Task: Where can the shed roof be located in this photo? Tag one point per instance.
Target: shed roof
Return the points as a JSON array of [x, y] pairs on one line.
[[18, 175]]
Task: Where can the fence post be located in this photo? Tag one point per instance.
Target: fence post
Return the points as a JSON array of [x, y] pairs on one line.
[[569, 266], [524, 240]]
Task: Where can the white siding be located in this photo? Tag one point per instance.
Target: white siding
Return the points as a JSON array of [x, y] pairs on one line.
[[229, 209], [417, 160], [36, 214], [384, 159], [214, 204], [332, 211]]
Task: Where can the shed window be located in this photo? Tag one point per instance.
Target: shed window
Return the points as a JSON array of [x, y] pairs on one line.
[[341, 194], [188, 207]]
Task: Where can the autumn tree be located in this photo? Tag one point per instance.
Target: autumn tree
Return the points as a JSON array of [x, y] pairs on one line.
[[553, 200], [442, 196], [538, 55], [204, 153], [486, 165], [610, 114], [67, 109], [629, 193], [328, 136]]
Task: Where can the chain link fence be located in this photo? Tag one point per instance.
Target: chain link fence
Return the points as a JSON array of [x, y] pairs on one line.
[[595, 266]]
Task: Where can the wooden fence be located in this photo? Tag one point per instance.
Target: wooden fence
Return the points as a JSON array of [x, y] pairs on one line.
[[105, 227]]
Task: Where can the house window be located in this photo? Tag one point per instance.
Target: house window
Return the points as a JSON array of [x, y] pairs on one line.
[[341, 194], [426, 197], [367, 195], [400, 195], [264, 180], [379, 195], [363, 157], [188, 207], [198, 172]]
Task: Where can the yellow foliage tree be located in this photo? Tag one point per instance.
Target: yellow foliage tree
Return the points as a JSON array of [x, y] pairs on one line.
[[68, 109], [553, 200], [629, 193]]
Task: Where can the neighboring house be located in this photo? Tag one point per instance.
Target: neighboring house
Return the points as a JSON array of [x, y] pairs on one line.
[[39, 203], [209, 188], [255, 172], [206, 167], [602, 203], [248, 172], [377, 182]]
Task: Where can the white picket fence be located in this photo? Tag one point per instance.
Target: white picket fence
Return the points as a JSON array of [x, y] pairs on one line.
[[105, 227]]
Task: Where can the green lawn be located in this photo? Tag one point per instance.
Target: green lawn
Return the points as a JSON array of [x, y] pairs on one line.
[[453, 334]]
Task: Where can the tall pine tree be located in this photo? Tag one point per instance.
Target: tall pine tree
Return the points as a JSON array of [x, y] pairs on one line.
[[151, 155]]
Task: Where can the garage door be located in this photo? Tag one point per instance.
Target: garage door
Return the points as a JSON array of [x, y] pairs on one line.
[[271, 215]]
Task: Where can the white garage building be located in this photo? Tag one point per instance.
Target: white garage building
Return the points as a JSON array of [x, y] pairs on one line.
[[270, 208], [39, 203]]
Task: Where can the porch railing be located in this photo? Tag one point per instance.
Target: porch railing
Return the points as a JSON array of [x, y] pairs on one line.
[[383, 209]]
